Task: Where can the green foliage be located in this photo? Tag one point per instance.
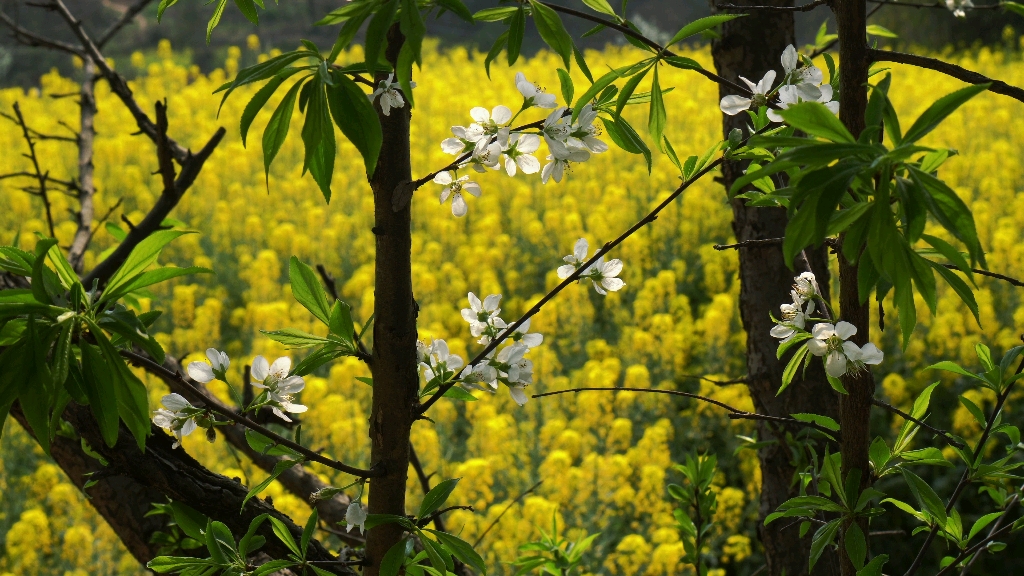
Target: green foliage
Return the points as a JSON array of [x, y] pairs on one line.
[[553, 554], [697, 506]]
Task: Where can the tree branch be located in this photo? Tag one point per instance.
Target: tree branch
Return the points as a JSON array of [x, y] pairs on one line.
[[804, 8], [220, 409], [86, 184], [938, 432], [941, 5], [958, 72], [125, 18], [30, 38], [510, 505], [40, 176]]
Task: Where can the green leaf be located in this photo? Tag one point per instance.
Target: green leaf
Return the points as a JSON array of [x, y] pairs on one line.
[[318, 137], [459, 394], [215, 19], [191, 522], [876, 30], [926, 496], [625, 137], [347, 12], [277, 128], [790, 372], [153, 277], [132, 399], [496, 14], [437, 497], [823, 537], [248, 8], [268, 447], [461, 550], [276, 566], [392, 561], [295, 338], [282, 532], [307, 290], [657, 116], [700, 25], [856, 545], [144, 254], [260, 99], [458, 8], [981, 523], [307, 532], [601, 6], [818, 419], [165, 564], [817, 120], [874, 568], [552, 31], [961, 288], [357, 119], [341, 322], [947, 207], [516, 31], [592, 92], [940, 110], [565, 82], [99, 387]]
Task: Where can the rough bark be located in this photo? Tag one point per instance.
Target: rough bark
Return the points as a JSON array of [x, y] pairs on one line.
[[395, 380], [86, 184], [122, 501], [163, 472], [750, 46], [855, 407]]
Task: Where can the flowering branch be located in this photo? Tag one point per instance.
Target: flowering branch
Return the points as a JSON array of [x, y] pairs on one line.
[[938, 432], [164, 373], [734, 413], [958, 72], [575, 275]]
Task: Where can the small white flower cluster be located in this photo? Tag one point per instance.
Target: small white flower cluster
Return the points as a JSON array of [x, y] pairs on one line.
[[281, 388], [491, 143], [827, 340], [177, 417], [355, 516], [959, 7], [390, 97], [801, 83], [508, 366], [603, 274]]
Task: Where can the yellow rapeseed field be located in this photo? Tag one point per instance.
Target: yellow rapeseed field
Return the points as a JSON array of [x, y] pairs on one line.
[[605, 458]]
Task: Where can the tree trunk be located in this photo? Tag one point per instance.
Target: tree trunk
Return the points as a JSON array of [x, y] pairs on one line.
[[854, 408], [751, 46], [395, 379]]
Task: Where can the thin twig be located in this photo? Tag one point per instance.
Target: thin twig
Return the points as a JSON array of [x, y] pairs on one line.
[[510, 505], [804, 8], [433, 517], [945, 435], [998, 276], [125, 18], [155, 368], [995, 528], [941, 5], [38, 135], [30, 38], [414, 460], [40, 176], [729, 382], [958, 72], [966, 476], [974, 549]]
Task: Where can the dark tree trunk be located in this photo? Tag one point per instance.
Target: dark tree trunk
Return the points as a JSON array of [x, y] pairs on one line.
[[395, 380], [750, 46], [854, 408]]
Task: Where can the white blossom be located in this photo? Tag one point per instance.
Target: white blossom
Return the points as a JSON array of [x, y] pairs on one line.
[[281, 388], [519, 152], [203, 372], [523, 334], [574, 260], [491, 123], [441, 361], [827, 340], [603, 274], [733, 104], [390, 97], [177, 417], [558, 163], [464, 140], [959, 7], [533, 95], [859, 357], [794, 319], [790, 95], [482, 315], [556, 130], [584, 132], [355, 516], [454, 187]]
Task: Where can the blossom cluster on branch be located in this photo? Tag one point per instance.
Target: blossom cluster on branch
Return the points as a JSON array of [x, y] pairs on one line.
[[802, 81]]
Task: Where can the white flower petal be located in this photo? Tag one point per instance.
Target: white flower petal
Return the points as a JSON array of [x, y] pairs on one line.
[[443, 178], [845, 330], [501, 114], [175, 402], [580, 249], [612, 284], [612, 268], [816, 347], [528, 164], [733, 105], [518, 394], [870, 354], [281, 366], [189, 427], [260, 369], [565, 271], [200, 372], [789, 59], [459, 207], [479, 114], [835, 364]]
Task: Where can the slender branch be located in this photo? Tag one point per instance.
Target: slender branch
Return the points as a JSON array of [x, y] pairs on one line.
[[998, 276], [433, 517], [734, 413], [87, 187], [30, 38], [756, 243], [125, 18], [958, 72], [39, 135], [729, 382], [995, 528], [945, 435], [40, 176], [650, 217], [118, 85], [424, 483], [332, 288], [974, 549], [804, 8], [966, 477], [510, 505], [650, 43], [163, 372]]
